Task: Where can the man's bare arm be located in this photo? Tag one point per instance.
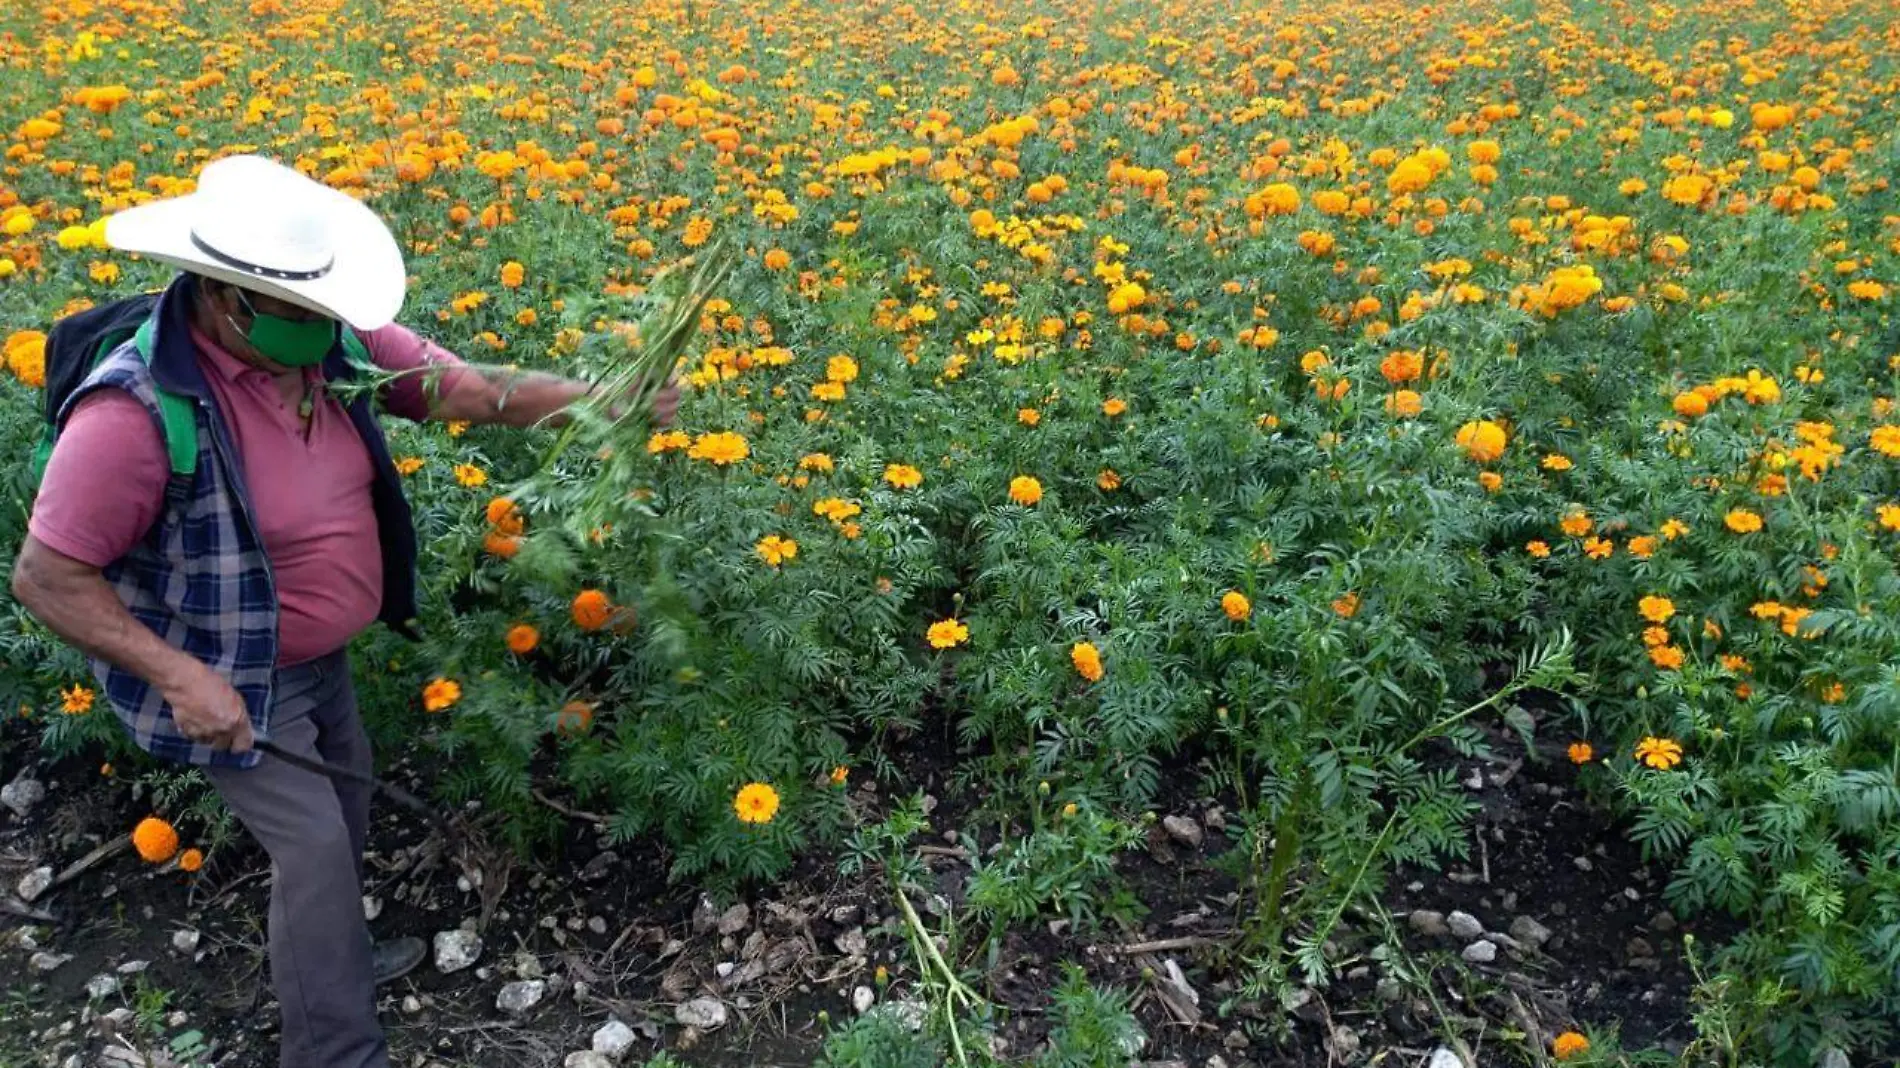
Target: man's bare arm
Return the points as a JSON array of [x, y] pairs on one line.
[[486, 394], [74, 601]]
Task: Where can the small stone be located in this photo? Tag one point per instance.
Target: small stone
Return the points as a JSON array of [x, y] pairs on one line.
[[1430, 924], [114, 1022], [862, 999], [1639, 948], [1183, 830], [1476, 780], [45, 962], [102, 986], [844, 914], [1663, 923], [852, 943], [519, 998], [1444, 1058], [597, 924], [1345, 1043], [456, 950], [1832, 1057], [586, 1058], [1583, 864], [34, 883], [1481, 952], [177, 1019], [705, 915], [1388, 990], [1235, 1040], [133, 967], [21, 795], [614, 1040], [372, 908], [1464, 925], [1304, 1003], [1530, 932], [598, 867], [702, 1014], [735, 919], [411, 1005], [1216, 1061], [724, 968]]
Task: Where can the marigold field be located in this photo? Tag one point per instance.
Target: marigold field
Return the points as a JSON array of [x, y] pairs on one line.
[[1280, 403]]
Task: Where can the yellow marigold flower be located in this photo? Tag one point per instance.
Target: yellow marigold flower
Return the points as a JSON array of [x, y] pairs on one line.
[[1538, 549], [903, 476], [470, 475], [1576, 523], [155, 840], [440, 694], [841, 369], [947, 634], [1581, 752], [1025, 490], [1557, 462], [1656, 609], [816, 461], [1659, 753], [1482, 440], [1742, 521], [1114, 406], [756, 803], [1643, 546], [1598, 548], [408, 465], [668, 441], [1569, 1044], [1889, 516], [1491, 481], [836, 509], [1404, 404], [512, 275], [1108, 481], [1673, 529], [1885, 440], [775, 550], [721, 448], [1087, 660], [1028, 416]]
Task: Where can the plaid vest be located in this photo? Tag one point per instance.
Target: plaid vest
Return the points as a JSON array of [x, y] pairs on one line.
[[200, 578]]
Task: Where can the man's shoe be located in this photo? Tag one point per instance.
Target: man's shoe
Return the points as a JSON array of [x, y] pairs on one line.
[[396, 958]]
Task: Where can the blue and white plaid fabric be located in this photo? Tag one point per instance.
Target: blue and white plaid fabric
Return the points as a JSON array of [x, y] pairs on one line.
[[199, 580]]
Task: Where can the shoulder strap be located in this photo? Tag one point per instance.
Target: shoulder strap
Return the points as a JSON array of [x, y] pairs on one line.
[[178, 413]]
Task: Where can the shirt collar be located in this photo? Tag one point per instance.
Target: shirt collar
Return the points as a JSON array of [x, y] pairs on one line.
[[219, 361]]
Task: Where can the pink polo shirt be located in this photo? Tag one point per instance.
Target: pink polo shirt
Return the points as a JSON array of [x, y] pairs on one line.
[[309, 485]]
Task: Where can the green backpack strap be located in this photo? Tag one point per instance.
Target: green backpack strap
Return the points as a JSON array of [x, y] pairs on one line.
[[177, 413]]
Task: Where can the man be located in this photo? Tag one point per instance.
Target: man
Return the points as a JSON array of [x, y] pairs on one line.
[[216, 604]]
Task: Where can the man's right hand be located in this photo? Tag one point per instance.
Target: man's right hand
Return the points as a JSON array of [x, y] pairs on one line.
[[208, 710]]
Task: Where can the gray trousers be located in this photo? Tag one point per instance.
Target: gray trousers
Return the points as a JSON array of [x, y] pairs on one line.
[[314, 828]]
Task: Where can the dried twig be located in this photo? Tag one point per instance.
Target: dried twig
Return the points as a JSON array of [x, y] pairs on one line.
[[111, 847], [594, 818], [1166, 945]]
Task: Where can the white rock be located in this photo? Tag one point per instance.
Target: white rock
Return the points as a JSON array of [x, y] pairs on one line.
[[614, 1040], [34, 883], [735, 919], [586, 1058], [519, 998], [1464, 925], [185, 941], [1481, 952], [372, 908], [102, 986], [22, 795], [1445, 1058], [455, 950], [862, 999], [852, 943], [133, 967], [411, 1005], [705, 1014], [1832, 1057], [46, 962]]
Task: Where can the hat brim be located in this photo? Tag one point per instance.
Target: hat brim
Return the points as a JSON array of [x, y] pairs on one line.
[[363, 286]]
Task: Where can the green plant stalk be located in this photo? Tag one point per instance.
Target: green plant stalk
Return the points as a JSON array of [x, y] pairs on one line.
[[1286, 850], [955, 990]]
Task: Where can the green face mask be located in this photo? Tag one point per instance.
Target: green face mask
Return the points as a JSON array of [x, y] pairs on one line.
[[291, 342]]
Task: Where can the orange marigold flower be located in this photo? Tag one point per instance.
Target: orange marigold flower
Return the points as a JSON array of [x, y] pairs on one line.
[[574, 718], [1538, 549], [591, 610], [756, 803], [1108, 481], [522, 638], [155, 840], [1346, 605], [1656, 609], [1025, 490], [1659, 753], [440, 694], [513, 274], [1581, 752], [1114, 406], [504, 515], [1569, 1044], [1742, 521], [191, 860], [1087, 660], [1690, 405], [1235, 604], [720, 448], [1598, 548]]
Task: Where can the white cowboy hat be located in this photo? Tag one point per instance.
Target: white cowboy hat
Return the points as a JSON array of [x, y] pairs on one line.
[[264, 227]]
